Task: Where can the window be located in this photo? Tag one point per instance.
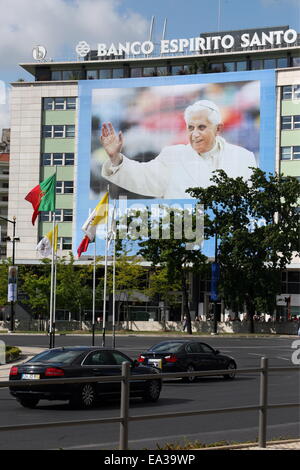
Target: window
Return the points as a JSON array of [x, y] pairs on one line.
[[62, 103], [48, 103], [65, 243], [71, 74], [68, 187], [119, 358], [206, 349], [296, 61], [282, 62], [290, 153], [216, 67], [92, 74], [61, 215], [229, 66], [57, 159], [290, 122], [105, 73], [240, 66], [47, 132], [69, 159], [99, 358], [161, 71], [59, 103], [149, 72], [67, 215], [118, 73], [256, 64], [58, 131], [270, 64], [286, 122], [291, 92], [70, 131], [56, 75], [136, 72], [64, 187]]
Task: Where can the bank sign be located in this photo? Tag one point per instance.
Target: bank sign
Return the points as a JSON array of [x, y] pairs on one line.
[[206, 43]]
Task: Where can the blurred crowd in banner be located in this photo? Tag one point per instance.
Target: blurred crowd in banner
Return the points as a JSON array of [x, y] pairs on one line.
[[152, 118]]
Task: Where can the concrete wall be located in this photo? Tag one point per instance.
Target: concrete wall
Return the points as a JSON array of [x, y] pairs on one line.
[[284, 328]]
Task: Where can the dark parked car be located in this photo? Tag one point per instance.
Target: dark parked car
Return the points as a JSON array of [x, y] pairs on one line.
[[80, 361], [187, 356]]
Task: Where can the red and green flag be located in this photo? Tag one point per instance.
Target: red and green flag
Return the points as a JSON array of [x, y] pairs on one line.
[[42, 196]]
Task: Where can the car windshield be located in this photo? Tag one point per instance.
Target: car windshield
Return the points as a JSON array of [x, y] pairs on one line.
[[61, 356], [171, 347]]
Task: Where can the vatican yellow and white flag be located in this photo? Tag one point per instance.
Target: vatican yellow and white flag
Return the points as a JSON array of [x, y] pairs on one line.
[[44, 247]]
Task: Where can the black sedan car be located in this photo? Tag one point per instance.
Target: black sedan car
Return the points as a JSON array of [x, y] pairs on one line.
[[81, 361], [187, 356]]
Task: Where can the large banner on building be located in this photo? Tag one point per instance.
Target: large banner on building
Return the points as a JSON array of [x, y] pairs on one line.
[[153, 138]]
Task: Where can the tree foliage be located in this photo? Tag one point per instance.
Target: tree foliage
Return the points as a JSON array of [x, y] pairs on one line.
[[257, 226]]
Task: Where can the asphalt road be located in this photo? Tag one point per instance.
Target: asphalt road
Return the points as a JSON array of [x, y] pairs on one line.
[[207, 393]]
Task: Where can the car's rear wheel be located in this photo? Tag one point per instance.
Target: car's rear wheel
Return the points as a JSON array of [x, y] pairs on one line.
[[85, 397], [192, 378], [152, 390], [28, 402], [231, 367]]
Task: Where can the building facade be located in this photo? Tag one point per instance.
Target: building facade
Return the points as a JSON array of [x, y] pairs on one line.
[[44, 129]]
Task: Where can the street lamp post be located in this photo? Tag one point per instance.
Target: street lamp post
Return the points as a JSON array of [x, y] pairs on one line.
[[13, 240]]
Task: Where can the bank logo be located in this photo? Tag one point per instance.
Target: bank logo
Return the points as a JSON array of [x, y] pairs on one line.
[[83, 48], [39, 52]]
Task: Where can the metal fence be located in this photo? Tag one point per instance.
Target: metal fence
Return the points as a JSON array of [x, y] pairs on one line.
[[124, 419]]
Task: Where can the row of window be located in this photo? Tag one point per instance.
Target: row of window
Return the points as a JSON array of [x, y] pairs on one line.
[[61, 215], [58, 131], [291, 92], [205, 67], [290, 153], [54, 104], [59, 159], [290, 122]]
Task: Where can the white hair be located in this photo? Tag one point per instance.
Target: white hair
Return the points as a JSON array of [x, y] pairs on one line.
[[214, 115]]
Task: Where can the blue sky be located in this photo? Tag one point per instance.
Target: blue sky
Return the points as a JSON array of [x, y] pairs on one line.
[[60, 24]]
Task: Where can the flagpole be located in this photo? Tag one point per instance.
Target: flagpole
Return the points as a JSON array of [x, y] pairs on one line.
[[51, 337], [51, 342], [105, 277], [94, 295], [54, 288], [114, 295]]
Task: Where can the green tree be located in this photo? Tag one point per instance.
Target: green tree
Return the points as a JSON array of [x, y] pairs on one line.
[[35, 282], [257, 226], [173, 252], [130, 276]]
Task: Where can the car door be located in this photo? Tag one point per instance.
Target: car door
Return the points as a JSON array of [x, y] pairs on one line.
[[98, 364], [209, 357], [119, 359]]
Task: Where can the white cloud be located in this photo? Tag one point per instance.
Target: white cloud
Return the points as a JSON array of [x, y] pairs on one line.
[[60, 24]]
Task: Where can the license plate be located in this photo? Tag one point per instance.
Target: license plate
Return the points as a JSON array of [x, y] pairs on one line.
[[155, 363], [30, 376]]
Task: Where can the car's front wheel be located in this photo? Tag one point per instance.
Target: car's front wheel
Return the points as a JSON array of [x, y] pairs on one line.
[[85, 397], [231, 367], [28, 402], [152, 390]]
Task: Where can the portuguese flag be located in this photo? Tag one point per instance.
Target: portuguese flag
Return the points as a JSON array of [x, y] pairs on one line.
[[42, 196]]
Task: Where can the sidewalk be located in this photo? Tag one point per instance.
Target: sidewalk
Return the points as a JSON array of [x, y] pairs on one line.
[[27, 353]]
